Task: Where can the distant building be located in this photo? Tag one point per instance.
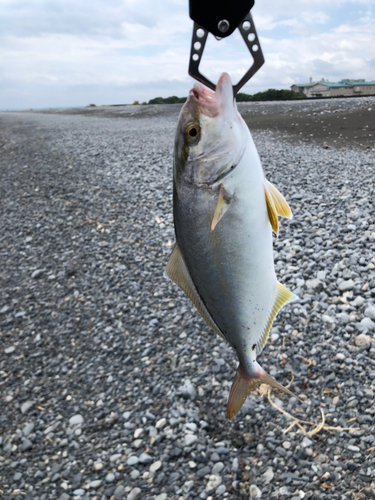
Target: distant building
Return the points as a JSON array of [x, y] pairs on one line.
[[345, 87]]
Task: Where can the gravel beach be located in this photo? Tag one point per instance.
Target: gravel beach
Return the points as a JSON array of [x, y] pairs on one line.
[[112, 386]]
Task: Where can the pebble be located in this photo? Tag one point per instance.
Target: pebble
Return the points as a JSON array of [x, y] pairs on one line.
[[26, 444], [254, 491], [268, 475], [370, 312], [110, 477], [363, 340], [155, 466], [119, 492], [28, 429], [217, 468], [213, 482], [162, 496], [10, 349], [98, 466], [160, 424], [25, 407], [345, 286], [145, 458], [306, 442], [368, 324], [135, 494], [190, 439], [76, 420], [133, 460]]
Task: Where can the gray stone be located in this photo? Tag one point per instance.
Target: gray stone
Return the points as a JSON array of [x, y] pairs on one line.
[[76, 420], [358, 301], [213, 482], [268, 475], [363, 340], [221, 490], [110, 477], [353, 403], [368, 324], [37, 273], [135, 494], [10, 349], [161, 423], [370, 312], [64, 496], [162, 496], [26, 444], [135, 474], [155, 466], [79, 492], [345, 286], [28, 429], [145, 458], [26, 406], [133, 460], [254, 491], [95, 484], [217, 468], [119, 493], [306, 442], [190, 439]]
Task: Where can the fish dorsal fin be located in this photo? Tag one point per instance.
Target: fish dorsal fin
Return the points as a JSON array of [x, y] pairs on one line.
[[282, 297], [178, 272], [281, 205], [223, 203], [271, 210]]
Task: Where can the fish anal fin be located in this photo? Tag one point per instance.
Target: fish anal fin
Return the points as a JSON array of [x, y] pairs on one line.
[[222, 205], [281, 205], [271, 210], [243, 384], [177, 271], [282, 297]]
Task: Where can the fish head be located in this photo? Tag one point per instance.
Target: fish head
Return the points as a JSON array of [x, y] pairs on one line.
[[211, 135]]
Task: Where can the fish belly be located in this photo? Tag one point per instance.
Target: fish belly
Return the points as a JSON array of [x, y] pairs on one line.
[[232, 266]]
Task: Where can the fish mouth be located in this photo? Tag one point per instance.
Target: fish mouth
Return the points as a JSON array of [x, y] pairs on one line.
[[212, 103]]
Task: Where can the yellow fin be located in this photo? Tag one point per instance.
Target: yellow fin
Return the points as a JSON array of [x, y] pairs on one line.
[[222, 206], [282, 297], [271, 210], [281, 205], [243, 384], [178, 272]]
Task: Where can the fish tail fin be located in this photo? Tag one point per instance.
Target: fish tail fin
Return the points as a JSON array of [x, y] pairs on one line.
[[243, 384]]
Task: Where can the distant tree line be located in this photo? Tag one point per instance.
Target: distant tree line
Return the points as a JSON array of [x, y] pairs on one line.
[[267, 95], [173, 99], [270, 95]]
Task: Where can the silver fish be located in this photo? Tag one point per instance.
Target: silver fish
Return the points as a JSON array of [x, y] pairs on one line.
[[224, 214]]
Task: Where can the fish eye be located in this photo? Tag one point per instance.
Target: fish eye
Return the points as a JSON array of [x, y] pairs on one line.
[[192, 131]]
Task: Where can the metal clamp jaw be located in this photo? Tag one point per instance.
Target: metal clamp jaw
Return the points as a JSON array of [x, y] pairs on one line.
[[222, 29]]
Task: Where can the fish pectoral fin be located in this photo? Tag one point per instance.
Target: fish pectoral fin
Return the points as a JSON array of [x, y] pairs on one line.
[[222, 205], [243, 384], [177, 271], [281, 205], [282, 297], [271, 210]]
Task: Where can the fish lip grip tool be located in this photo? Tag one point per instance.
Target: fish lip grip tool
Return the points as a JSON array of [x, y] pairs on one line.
[[222, 19]]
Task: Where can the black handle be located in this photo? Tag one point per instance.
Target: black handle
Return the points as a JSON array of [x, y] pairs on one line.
[[218, 17]]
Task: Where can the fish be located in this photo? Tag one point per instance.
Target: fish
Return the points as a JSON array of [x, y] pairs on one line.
[[225, 211]]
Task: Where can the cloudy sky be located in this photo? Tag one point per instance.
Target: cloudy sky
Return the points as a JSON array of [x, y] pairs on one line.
[[61, 53]]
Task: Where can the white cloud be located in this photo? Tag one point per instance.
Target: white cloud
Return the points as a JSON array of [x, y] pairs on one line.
[[55, 52]]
